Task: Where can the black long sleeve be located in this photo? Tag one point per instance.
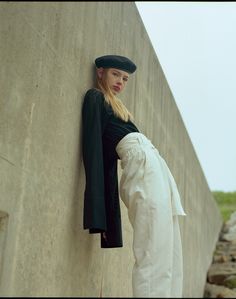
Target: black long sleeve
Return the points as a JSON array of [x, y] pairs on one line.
[[101, 131], [94, 197]]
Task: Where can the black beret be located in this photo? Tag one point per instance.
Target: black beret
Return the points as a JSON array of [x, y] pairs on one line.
[[117, 62]]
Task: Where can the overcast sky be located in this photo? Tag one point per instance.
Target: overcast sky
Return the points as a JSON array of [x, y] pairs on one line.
[[195, 43]]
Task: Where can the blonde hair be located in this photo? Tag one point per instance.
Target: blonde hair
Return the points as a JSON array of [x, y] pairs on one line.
[[118, 107]]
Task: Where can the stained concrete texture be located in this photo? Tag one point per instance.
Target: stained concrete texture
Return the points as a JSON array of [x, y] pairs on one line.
[[47, 51]]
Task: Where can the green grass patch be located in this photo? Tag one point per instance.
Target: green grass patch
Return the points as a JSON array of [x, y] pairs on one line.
[[226, 202]]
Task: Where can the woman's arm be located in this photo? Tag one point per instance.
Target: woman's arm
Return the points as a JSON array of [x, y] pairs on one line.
[[94, 197]]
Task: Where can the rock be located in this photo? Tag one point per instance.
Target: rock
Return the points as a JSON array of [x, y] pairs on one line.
[[221, 276], [230, 282], [216, 291], [225, 252], [218, 272], [230, 223], [230, 236], [232, 229], [232, 220], [221, 258]]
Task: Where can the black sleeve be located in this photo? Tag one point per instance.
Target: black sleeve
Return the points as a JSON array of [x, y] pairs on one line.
[[94, 197]]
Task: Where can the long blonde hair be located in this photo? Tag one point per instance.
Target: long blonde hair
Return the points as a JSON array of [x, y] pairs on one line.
[[118, 107]]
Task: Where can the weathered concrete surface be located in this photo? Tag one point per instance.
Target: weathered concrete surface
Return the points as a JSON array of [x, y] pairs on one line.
[[47, 51]]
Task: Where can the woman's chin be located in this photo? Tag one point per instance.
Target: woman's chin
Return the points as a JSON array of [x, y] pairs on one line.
[[115, 92]]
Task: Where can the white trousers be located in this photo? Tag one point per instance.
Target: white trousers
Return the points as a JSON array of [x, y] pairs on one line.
[[149, 192]]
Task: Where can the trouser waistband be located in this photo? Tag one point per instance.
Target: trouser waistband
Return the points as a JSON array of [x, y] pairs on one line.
[[130, 141]]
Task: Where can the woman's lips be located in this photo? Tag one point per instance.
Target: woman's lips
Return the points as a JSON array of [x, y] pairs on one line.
[[117, 88]]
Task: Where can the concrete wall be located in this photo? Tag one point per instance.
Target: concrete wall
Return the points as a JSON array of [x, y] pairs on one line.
[[47, 51]]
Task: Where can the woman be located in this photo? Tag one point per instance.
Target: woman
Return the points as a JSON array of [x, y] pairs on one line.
[[147, 186]]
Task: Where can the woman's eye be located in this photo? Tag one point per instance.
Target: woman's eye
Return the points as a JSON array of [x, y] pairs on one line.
[[115, 74]]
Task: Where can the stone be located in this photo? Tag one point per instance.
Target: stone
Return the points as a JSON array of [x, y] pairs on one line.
[[218, 272], [216, 291], [221, 258], [230, 282], [230, 237]]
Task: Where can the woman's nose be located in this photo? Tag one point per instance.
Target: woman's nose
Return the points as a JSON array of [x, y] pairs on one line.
[[119, 81]]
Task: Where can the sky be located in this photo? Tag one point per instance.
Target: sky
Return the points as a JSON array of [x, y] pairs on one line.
[[195, 43]]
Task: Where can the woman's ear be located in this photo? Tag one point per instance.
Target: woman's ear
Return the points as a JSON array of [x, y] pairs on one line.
[[100, 72]]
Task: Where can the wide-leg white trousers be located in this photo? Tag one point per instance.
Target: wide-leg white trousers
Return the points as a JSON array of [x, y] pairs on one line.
[[148, 190]]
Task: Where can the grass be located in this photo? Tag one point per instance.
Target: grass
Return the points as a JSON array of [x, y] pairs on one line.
[[226, 202]]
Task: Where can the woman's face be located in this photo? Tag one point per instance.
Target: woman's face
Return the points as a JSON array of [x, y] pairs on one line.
[[116, 79]]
